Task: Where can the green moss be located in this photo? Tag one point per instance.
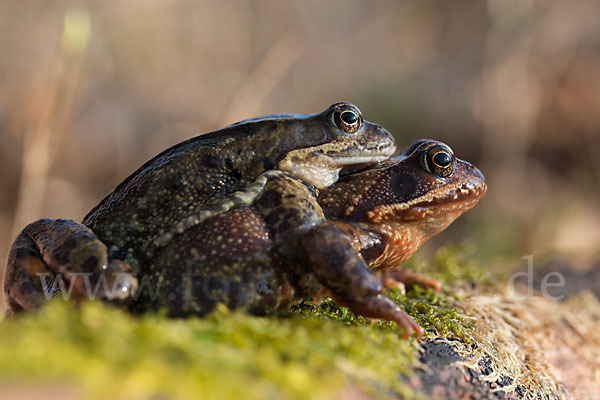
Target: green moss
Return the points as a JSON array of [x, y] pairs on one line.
[[108, 354], [437, 313], [308, 352]]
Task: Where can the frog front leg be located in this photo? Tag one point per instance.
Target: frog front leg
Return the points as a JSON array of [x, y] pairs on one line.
[[290, 209], [302, 235], [48, 252], [333, 256]]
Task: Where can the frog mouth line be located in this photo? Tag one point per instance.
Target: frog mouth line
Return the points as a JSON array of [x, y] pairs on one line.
[[463, 193], [362, 157], [350, 160]]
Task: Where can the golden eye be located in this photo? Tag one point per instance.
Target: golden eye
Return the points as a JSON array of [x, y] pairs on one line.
[[439, 160], [347, 118]]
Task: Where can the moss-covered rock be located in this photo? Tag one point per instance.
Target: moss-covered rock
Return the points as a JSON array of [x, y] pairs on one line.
[[479, 341]]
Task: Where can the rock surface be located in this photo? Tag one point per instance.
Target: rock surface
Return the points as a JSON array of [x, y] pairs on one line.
[[521, 348]]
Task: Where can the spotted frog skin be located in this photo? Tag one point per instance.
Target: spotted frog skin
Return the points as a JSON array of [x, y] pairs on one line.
[[185, 185], [296, 242]]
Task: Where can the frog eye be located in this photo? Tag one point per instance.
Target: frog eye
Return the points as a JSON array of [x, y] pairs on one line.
[[347, 118], [439, 160]]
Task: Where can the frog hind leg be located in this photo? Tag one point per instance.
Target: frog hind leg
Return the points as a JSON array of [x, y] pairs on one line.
[[49, 251], [340, 268], [400, 276], [25, 284]]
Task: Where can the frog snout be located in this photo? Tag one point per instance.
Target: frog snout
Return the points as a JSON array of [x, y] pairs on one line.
[[477, 174], [385, 133], [385, 142]]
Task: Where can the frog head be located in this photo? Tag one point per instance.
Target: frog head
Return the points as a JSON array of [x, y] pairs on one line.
[[322, 144], [407, 199]]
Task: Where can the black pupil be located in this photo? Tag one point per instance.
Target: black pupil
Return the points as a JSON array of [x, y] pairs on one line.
[[442, 159], [349, 117]]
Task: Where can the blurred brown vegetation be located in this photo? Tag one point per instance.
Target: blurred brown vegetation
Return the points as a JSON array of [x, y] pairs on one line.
[[89, 90]]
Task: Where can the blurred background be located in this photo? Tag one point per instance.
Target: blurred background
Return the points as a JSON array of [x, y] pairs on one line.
[[89, 90]]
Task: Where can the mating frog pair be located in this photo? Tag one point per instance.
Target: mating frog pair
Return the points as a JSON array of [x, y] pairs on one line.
[[194, 226]]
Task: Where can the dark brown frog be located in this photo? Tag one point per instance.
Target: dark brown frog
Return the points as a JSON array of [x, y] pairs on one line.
[[183, 186]]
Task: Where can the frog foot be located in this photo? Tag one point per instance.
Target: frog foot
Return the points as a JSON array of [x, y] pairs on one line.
[[380, 307], [49, 252], [376, 308], [400, 277], [331, 255]]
